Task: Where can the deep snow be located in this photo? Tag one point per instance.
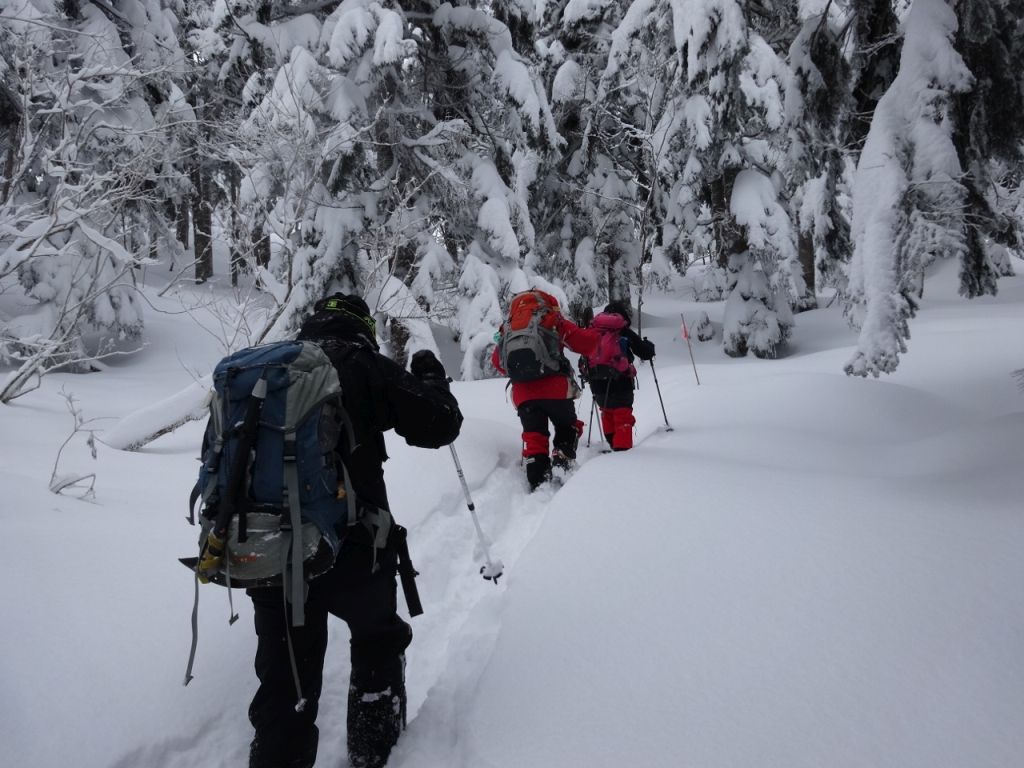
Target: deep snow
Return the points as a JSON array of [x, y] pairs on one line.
[[811, 570]]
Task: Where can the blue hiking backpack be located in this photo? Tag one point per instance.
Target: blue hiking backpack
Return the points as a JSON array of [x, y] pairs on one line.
[[269, 467], [276, 498]]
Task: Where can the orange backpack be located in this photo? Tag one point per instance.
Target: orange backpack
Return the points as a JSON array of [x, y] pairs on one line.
[[530, 347]]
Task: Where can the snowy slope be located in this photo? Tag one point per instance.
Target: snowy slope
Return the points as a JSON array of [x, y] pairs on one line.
[[811, 570]]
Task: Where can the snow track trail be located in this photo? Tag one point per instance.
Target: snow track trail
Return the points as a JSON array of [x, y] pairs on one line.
[[462, 610]]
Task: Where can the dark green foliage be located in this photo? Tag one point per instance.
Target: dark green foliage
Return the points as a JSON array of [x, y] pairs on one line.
[[822, 74], [875, 61], [989, 130]]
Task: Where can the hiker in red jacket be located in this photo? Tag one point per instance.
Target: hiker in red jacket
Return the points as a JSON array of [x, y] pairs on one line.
[[530, 351]]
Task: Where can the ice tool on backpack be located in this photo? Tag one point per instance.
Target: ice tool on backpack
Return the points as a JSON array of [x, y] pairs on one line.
[[211, 555]]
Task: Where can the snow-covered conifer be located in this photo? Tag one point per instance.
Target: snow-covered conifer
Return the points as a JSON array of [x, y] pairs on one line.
[[989, 136], [573, 47], [908, 198], [874, 44], [817, 97], [729, 97], [511, 135], [85, 148]]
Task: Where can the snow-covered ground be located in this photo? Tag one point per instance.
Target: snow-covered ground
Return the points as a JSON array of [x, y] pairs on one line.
[[810, 570]]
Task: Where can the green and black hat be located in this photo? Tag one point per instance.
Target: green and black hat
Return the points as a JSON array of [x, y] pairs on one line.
[[340, 315]]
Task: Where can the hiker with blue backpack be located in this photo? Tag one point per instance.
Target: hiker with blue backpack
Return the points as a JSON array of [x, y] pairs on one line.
[[295, 443], [611, 375], [529, 350]]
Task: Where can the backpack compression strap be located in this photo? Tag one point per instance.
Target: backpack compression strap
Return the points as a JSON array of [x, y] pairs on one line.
[[212, 462], [291, 490], [296, 584]]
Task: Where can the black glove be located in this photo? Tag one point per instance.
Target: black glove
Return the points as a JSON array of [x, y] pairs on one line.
[[646, 349], [426, 367]]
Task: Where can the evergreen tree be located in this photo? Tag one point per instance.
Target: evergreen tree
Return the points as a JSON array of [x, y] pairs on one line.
[[86, 149], [816, 100], [731, 129], [875, 45], [511, 134], [573, 44], [908, 195], [989, 135], [390, 143]]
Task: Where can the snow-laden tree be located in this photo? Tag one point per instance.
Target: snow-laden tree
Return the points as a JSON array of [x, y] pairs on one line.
[[91, 101], [313, 157], [572, 45], [989, 136], [816, 100], [874, 43], [612, 169], [726, 118], [908, 197], [234, 51], [511, 135], [390, 141]]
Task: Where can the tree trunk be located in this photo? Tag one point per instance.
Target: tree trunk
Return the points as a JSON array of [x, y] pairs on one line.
[[201, 224], [237, 251], [729, 237], [14, 131], [616, 290], [402, 261], [183, 223], [263, 251], [720, 216], [399, 341], [805, 250]]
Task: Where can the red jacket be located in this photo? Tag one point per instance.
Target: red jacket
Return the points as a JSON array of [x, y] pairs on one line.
[[583, 341]]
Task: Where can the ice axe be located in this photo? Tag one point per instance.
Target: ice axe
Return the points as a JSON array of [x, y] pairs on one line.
[[493, 569]]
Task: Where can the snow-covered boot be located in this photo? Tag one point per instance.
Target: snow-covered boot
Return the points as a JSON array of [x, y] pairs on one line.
[[538, 470], [560, 461], [287, 751], [376, 713]]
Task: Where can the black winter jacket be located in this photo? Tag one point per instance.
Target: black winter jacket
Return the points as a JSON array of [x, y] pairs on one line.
[[380, 395]]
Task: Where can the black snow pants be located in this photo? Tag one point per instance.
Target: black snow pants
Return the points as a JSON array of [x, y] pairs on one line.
[[613, 393], [534, 416], [366, 601]]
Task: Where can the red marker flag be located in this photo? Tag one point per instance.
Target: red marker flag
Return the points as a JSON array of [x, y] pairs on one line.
[[686, 335]]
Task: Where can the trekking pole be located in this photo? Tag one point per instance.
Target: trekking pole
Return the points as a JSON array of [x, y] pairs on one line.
[[668, 427], [493, 568], [686, 335], [590, 428]]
